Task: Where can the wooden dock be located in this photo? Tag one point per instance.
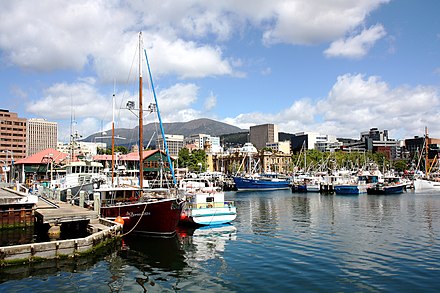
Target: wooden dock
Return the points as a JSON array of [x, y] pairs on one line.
[[49, 214]]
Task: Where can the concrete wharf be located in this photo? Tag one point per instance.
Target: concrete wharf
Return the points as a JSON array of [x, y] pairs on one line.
[[53, 214]]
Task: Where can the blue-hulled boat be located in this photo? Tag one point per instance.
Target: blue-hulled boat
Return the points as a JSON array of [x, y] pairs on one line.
[[261, 182], [358, 185], [391, 185]]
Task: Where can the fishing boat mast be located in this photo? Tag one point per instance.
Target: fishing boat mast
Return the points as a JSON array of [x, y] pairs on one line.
[[141, 129], [113, 138], [426, 151]]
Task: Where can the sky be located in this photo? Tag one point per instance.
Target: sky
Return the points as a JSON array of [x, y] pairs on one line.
[[337, 67]]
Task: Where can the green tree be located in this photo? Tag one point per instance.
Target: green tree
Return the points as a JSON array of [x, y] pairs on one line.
[[184, 158], [400, 165]]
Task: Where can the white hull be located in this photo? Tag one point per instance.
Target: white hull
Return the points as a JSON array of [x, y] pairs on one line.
[[211, 216], [423, 184]]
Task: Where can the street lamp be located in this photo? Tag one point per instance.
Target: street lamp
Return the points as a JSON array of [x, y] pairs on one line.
[[12, 162], [4, 170]]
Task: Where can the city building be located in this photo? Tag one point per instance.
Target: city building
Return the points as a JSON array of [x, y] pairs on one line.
[[81, 148], [202, 141], [12, 141], [174, 143], [280, 146], [249, 160], [416, 148], [40, 135], [376, 141], [313, 140], [260, 135]]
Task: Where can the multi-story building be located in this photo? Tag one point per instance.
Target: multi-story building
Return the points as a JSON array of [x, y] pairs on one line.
[[40, 135], [201, 141], [312, 140], [281, 146], [12, 140], [81, 148], [417, 147], [174, 143], [260, 135]]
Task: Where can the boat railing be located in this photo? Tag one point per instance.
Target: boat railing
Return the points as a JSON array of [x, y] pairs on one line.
[[205, 205]]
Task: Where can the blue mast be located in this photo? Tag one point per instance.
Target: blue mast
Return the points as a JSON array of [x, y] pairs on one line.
[[160, 121]]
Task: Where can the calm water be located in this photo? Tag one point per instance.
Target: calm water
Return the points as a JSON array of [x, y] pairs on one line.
[[280, 242]]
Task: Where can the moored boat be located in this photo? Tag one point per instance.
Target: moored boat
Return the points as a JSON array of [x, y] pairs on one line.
[[261, 182], [155, 211], [147, 211], [390, 185], [205, 204], [356, 185]]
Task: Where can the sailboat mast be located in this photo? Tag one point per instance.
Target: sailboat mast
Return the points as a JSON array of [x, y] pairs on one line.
[[113, 138], [426, 151], [141, 122]]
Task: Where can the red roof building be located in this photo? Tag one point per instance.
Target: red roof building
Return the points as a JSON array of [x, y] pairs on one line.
[[37, 166]]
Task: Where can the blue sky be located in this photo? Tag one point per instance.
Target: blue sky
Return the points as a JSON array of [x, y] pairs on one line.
[[329, 66]]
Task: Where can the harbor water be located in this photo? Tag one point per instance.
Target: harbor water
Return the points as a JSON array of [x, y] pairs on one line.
[[280, 242]]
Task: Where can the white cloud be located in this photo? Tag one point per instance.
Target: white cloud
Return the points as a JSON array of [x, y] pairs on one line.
[[72, 35], [356, 103], [62, 100], [356, 46], [210, 102], [311, 22]]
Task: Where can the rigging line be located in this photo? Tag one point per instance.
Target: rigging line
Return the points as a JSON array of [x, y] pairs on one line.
[[160, 120]]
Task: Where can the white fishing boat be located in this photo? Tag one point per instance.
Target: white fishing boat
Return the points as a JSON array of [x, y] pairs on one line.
[[77, 176], [205, 204]]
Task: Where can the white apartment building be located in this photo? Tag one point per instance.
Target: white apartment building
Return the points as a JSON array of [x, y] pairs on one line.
[[202, 140], [174, 143], [86, 149], [40, 135]]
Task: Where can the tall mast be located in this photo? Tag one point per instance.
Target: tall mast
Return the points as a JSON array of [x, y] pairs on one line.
[[141, 144], [426, 151], [113, 138]]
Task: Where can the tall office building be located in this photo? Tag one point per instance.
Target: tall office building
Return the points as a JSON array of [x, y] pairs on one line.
[[41, 135], [259, 135], [12, 138], [174, 143]]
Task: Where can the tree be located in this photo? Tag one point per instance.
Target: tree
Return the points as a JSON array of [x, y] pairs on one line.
[[194, 161], [400, 165]]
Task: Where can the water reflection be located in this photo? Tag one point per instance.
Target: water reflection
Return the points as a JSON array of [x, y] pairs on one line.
[[281, 242], [204, 243], [151, 253]]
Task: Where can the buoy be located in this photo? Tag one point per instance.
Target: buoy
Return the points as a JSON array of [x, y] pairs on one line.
[[119, 220], [183, 216]]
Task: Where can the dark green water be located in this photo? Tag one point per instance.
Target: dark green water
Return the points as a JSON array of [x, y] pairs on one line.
[[280, 242]]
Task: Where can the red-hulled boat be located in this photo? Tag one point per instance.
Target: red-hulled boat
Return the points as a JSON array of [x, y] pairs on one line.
[[156, 211], [147, 211]]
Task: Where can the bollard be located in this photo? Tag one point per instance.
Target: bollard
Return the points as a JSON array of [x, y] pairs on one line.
[[96, 202], [58, 195], [82, 195], [68, 195]]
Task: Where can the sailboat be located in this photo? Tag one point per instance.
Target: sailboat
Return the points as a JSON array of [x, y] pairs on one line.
[[427, 182], [140, 210], [256, 181]]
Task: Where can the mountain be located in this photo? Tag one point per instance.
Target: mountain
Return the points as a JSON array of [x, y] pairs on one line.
[[203, 125]]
